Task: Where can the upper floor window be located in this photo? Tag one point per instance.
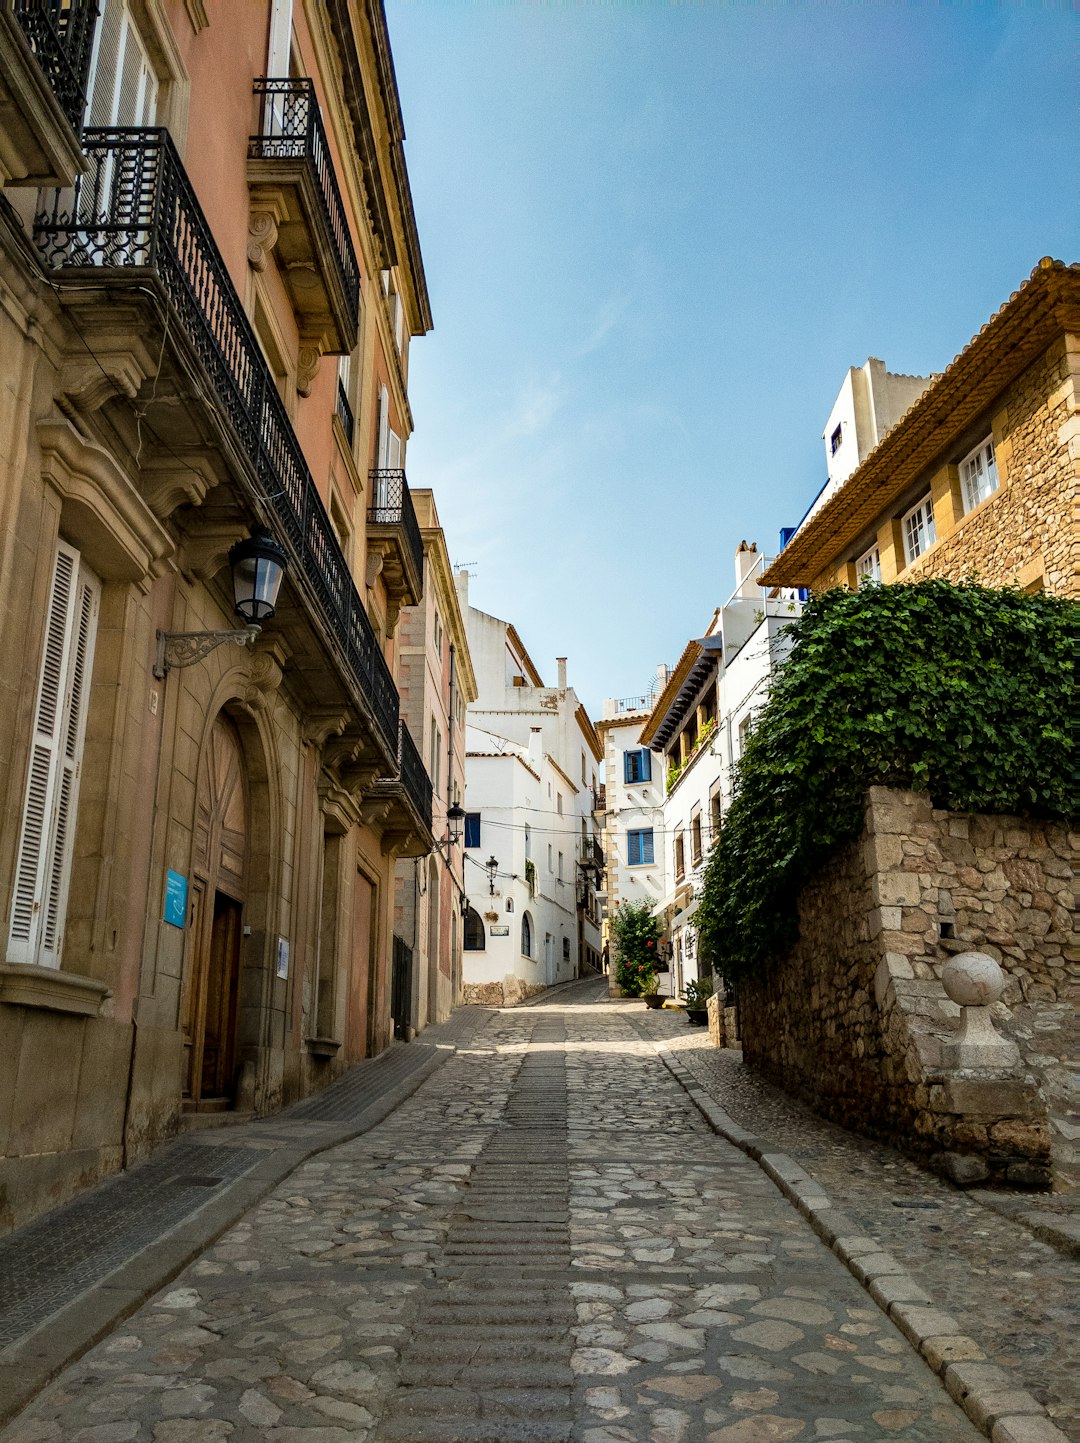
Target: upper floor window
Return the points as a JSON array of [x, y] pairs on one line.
[[123, 87], [639, 847], [978, 474], [637, 766], [836, 440], [695, 838], [716, 813], [472, 829], [680, 856], [918, 529], [558, 803], [868, 566]]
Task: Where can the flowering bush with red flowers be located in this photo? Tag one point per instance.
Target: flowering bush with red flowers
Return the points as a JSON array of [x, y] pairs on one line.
[[635, 933]]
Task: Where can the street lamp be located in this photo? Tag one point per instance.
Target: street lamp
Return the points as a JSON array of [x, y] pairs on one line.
[[258, 566], [455, 815], [492, 865]]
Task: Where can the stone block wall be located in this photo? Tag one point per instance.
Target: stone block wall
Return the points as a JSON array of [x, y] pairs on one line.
[[508, 993], [855, 1018]]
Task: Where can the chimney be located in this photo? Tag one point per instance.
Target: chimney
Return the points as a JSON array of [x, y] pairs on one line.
[[746, 560], [536, 747], [461, 581], [663, 674], [560, 662]]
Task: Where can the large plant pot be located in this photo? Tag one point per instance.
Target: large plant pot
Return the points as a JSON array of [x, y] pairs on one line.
[[697, 1016], [654, 1001]]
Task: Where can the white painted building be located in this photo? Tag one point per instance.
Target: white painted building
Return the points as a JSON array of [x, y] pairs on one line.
[[633, 798], [697, 730], [531, 789], [870, 402]]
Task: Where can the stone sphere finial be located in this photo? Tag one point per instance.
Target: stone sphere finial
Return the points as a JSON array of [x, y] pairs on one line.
[[972, 979]]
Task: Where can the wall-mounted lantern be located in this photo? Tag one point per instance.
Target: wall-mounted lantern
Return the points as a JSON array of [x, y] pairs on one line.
[[258, 566]]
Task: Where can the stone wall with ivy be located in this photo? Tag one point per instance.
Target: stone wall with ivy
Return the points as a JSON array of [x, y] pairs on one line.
[[853, 1016]]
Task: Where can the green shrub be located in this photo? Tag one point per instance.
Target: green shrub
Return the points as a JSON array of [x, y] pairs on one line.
[[635, 933], [958, 690]]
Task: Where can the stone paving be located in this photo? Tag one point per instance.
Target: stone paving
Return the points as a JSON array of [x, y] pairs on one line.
[[545, 1244], [1016, 1295]]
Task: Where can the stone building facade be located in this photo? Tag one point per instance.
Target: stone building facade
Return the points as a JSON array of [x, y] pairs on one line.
[[980, 475], [209, 275], [855, 1017], [437, 683]]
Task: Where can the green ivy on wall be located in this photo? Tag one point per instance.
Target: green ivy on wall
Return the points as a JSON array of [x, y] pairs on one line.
[[959, 690]]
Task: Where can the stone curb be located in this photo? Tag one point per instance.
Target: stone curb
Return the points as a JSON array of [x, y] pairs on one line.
[[987, 1394], [28, 1366]]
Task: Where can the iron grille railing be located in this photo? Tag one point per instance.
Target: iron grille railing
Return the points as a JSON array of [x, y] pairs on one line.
[[414, 776], [344, 411], [391, 505], [61, 35], [291, 128], [134, 207]]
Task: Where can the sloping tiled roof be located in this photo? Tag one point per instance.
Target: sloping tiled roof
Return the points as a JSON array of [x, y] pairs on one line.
[[1045, 306]]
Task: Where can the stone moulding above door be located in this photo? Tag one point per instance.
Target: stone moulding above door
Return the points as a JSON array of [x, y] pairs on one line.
[[102, 512]]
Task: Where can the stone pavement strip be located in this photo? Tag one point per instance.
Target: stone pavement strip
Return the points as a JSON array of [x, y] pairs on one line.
[[973, 1257], [546, 1242], [70, 1276]]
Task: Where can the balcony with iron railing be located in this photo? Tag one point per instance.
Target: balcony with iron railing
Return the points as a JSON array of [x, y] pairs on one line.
[[344, 412], [297, 210], [45, 50], [394, 532], [408, 797], [132, 221]]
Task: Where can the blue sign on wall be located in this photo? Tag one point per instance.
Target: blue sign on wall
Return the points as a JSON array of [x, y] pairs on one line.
[[175, 898]]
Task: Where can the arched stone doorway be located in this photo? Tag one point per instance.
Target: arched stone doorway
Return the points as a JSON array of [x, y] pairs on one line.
[[218, 883]]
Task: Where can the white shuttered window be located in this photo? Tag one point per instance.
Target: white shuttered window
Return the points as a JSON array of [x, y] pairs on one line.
[[43, 861], [123, 87]]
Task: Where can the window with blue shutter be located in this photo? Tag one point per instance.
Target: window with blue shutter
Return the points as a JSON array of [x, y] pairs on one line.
[[639, 847], [472, 829], [637, 766]]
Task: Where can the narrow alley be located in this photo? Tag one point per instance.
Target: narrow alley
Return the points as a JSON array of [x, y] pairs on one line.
[[545, 1242]]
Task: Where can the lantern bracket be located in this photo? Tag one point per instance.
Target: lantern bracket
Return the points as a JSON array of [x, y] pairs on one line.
[[177, 649]]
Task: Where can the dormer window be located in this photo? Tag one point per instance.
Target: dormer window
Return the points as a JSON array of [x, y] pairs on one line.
[[978, 474]]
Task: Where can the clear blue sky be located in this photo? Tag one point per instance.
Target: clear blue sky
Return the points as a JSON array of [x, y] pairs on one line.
[[656, 236]]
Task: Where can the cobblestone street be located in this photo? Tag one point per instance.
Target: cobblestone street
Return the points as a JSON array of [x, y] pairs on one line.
[[545, 1242]]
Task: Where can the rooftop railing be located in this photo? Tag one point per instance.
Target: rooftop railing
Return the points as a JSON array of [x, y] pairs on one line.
[[134, 208], [61, 35]]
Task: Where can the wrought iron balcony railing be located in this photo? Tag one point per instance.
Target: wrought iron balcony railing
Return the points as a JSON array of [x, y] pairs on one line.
[[414, 776], [61, 35], [345, 412], [134, 207], [391, 505], [291, 128]]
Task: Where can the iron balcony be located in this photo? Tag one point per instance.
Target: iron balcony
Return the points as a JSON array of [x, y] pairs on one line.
[[133, 212], [393, 527], [289, 165], [45, 49]]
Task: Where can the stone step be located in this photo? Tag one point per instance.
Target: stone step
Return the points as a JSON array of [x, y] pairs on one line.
[[442, 1429], [508, 1373], [466, 1351]]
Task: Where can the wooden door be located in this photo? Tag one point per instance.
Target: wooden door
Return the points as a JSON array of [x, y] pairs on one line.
[[360, 980], [211, 981]]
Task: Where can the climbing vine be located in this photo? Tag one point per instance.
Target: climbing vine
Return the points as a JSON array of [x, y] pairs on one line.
[[958, 690]]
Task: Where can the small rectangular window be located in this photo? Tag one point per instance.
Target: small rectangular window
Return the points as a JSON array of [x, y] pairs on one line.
[[695, 838], [637, 766], [868, 566], [472, 829], [918, 529], [680, 858], [639, 847], [978, 474], [836, 440], [560, 876], [558, 803]]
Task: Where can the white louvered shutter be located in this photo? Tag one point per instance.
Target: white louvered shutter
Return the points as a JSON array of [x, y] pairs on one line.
[[123, 88], [43, 863]]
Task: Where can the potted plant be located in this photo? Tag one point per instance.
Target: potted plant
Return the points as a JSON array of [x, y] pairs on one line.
[[650, 991], [695, 999]]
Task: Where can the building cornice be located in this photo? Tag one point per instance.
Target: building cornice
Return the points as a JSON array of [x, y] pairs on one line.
[[1045, 307], [589, 732], [514, 639]]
